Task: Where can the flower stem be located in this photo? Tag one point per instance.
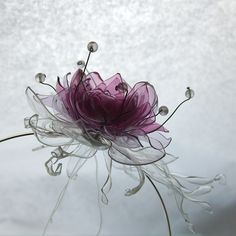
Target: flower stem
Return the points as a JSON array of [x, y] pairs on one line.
[[163, 204], [15, 136], [49, 86]]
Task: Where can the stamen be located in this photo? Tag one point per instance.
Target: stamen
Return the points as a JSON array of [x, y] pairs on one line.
[[40, 78], [163, 110], [92, 47], [123, 87], [80, 64], [86, 64], [189, 94]]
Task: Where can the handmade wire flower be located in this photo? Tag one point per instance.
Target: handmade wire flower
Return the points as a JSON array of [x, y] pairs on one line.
[[99, 114], [87, 114]]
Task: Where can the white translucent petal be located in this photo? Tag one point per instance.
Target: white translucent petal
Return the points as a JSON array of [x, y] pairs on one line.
[[138, 156], [134, 190], [108, 182]]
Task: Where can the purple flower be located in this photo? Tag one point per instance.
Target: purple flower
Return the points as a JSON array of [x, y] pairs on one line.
[[111, 107], [87, 115], [102, 115]]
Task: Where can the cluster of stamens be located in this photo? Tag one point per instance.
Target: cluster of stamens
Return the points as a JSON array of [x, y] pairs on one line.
[[93, 47]]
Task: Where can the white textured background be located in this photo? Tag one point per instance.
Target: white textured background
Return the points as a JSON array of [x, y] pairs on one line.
[[172, 44]]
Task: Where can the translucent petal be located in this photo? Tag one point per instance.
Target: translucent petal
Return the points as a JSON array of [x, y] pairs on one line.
[[169, 158], [184, 187], [83, 151], [200, 180], [45, 134], [36, 104], [220, 178], [134, 190], [201, 190], [138, 156], [155, 140], [108, 183], [73, 166]]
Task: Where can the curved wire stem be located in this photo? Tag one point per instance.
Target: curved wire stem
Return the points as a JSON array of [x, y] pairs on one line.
[[49, 86], [15, 136], [86, 64], [172, 114], [162, 202]]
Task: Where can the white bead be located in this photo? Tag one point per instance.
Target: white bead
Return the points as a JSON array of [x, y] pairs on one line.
[[189, 93], [92, 46], [81, 64], [163, 110], [40, 77]]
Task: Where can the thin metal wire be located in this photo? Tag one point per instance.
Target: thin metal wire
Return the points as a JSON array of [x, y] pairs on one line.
[[85, 67], [49, 86], [172, 114], [162, 202], [15, 136], [158, 193]]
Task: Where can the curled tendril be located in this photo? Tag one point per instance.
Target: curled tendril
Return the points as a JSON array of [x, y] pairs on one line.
[[57, 155], [108, 182]]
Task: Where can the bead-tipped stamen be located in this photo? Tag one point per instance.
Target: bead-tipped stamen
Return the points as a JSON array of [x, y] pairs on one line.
[[189, 94], [92, 47]]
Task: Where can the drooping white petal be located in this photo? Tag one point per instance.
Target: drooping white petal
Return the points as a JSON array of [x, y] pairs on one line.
[[135, 156]]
